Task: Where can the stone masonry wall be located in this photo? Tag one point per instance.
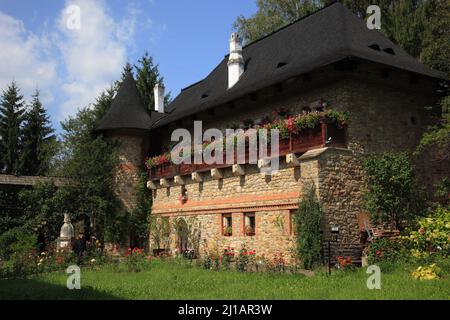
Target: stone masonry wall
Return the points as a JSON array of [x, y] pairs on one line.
[[126, 177], [270, 199], [383, 116]]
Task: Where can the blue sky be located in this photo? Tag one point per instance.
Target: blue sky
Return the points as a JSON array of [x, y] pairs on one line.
[[71, 67]]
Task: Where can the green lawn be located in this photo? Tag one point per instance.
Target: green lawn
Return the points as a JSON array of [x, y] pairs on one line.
[[168, 280]]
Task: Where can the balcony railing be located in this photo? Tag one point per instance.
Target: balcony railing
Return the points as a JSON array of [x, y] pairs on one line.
[[307, 139]]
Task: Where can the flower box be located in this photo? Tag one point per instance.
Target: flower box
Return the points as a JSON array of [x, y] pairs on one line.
[[165, 170], [329, 130], [307, 138]]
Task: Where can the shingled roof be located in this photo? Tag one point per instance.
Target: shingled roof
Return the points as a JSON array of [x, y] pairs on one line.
[[322, 38], [127, 110]]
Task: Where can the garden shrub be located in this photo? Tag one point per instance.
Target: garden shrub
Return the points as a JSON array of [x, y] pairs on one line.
[[308, 223], [430, 272], [55, 259], [227, 257], [386, 253], [207, 262], [431, 239], [17, 253], [393, 193], [277, 263], [345, 264], [385, 250], [136, 260], [245, 258]]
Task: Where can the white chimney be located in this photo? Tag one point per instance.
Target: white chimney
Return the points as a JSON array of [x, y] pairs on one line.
[[158, 92], [235, 61]]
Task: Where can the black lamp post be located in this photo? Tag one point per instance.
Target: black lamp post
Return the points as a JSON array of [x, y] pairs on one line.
[[333, 238]]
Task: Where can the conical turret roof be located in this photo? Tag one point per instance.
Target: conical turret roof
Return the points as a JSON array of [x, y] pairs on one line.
[[127, 109]]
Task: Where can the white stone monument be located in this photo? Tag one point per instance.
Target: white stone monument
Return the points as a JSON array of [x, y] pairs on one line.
[[66, 233]]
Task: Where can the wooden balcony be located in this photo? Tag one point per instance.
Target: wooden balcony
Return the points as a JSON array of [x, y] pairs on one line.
[[323, 135]]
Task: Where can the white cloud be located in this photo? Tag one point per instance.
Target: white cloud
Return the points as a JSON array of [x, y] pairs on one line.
[[24, 58], [94, 54], [75, 64]]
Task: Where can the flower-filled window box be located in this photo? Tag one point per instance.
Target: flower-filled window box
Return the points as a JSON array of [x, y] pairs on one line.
[[249, 224], [228, 231], [227, 225], [297, 134]]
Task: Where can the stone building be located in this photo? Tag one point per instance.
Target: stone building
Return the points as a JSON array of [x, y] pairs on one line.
[[326, 61]]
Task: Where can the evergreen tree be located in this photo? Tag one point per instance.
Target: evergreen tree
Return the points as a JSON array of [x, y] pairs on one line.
[[308, 220], [147, 75], [38, 140], [128, 68], [11, 118]]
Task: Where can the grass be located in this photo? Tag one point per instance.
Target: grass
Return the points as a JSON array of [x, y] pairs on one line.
[[170, 280]]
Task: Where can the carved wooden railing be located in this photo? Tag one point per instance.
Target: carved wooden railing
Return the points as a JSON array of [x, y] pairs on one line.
[[307, 139]]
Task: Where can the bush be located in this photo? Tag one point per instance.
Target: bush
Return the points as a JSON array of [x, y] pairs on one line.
[[17, 253], [136, 260], [308, 223], [227, 257], [245, 258], [55, 259], [345, 264], [394, 195], [432, 236], [426, 272], [278, 263], [207, 263], [385, 250]]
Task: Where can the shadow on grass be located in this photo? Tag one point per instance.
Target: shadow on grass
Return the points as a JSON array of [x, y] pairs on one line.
[[33, 289]]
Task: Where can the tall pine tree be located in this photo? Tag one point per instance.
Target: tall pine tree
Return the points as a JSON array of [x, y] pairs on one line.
[[147, 75], [11, 118], [38, 140]]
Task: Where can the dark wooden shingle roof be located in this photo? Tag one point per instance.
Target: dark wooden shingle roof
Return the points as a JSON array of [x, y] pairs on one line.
[[127, 110], [322, 38]]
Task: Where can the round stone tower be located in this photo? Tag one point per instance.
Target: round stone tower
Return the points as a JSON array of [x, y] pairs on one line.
[[127, 122]]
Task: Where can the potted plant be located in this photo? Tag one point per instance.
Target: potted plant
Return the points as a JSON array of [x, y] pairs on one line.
[[249, 231], [227, 231]]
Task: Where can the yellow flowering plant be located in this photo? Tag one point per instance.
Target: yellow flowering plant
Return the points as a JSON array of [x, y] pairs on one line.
[[432, 236], [426, 272]]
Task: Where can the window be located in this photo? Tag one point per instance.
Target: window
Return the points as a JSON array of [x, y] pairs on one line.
[[291, 222], [227, 225], [249, 224]]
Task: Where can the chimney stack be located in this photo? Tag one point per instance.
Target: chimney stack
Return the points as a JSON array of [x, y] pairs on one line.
[[158, 92], [235, 61]]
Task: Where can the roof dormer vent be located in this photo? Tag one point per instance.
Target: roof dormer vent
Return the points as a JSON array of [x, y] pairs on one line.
[[389, 51], [375, 47]]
